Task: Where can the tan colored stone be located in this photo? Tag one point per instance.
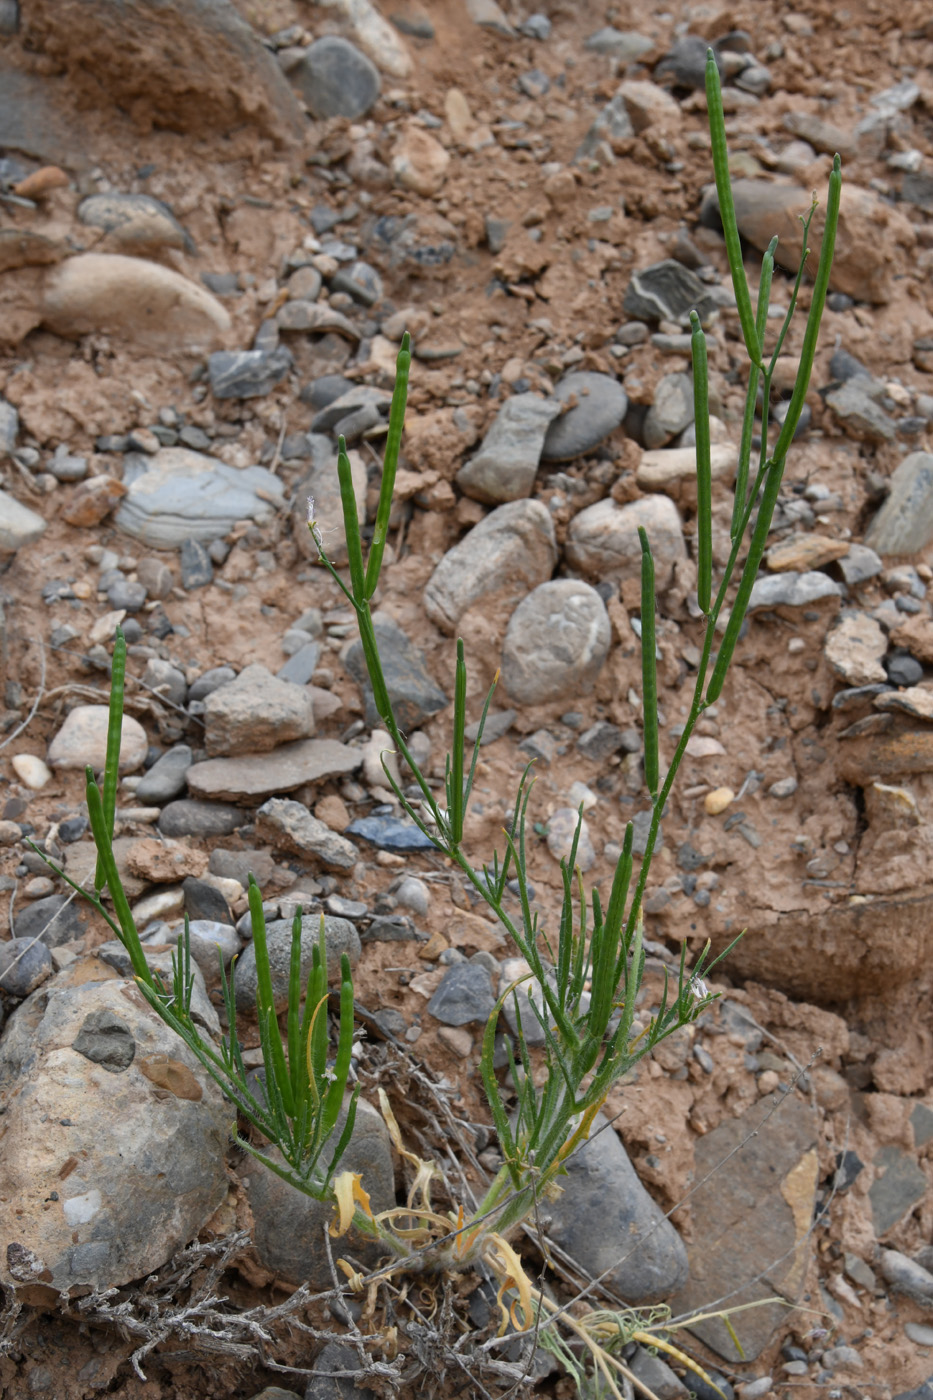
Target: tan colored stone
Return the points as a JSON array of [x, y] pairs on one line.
[[673, 470], [718, 800], [93, 500], [804, 552], [650, 106], [164, 862], [854, 649], [916, 635], [82, 740], [142, 302], [332, 811], [263, 775], [420, 162]]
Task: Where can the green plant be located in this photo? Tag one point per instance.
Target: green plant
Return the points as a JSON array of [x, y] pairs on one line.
[[588, 978]]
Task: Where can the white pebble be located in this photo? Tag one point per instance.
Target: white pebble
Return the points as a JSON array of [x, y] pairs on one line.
[[31, 771]]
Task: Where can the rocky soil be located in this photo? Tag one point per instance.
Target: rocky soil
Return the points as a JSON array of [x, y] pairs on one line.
[[216, 221]]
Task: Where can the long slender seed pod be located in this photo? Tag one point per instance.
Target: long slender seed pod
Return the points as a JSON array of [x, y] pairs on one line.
[[294, 1005], [704, 470], [817, 303], [751, 398], [389, 466], [740, 606], [265, 996], [730, 229], [334, 1096], [455, 794], [351, 523], [649, 676], [114, 735], [121, 907]]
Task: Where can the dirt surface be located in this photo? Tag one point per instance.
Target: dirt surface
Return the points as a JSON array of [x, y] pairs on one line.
[[835, 897]]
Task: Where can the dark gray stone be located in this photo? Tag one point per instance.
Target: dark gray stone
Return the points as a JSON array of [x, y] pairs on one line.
[[72, 829], [600, 406], [903, 669], [843, 366], [655, 1376], [127, 594], [210, 681], [336, 80], [464, 996], [505, 466], [601, 740], [361, 281], [667, 291], [196, 568], [24, 965], [390, 834], [685, 63], [389, 928], [413, 693], [165, 780], [55, 919], [204, 901], [605, 1219], [106, 1040], [301, 665], [247, 374], [326, 1384], [190, 817], [321, 392], [899, 1186], [857, 411]]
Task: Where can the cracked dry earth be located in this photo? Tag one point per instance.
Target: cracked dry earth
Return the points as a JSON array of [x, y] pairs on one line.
[[500, 181]]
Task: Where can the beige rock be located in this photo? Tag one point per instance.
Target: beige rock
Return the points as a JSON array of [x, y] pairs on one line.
[[31, 770], [458, 114], [803, 552], [603, 542], [265, 775], [105, 627], [650, 106], [165, 861], [561, 188], [139, 301], [332, 811], [255, 713], [673, 470], [854, 649], [718, 800], [457, 1039], [82, 740], [18, 524], [93, 501], [164, 904], [420, 162]]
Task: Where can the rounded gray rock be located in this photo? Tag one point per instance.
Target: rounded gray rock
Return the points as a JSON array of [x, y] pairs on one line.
[[556, 643], [464, 996], [340, 936], [336, 80], [601, 404], [504, 468], [671, 410], [255, 713], [603, 542], [509, 552]]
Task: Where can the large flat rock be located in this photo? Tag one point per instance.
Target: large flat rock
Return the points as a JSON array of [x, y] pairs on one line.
[[265, 775]]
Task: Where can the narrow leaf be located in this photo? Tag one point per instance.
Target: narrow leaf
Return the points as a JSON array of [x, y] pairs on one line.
[[717, 131], [704, 470], [389, 466], [114, 735], [649, 677]]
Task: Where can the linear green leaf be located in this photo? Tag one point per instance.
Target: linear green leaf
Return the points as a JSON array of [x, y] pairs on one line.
[[704, 469], [717, 130], [114, 735], [389, 466], [649, 676], [351, 523]]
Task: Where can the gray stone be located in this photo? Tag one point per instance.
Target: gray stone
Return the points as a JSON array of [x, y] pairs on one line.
[[355, 396], [9, 427], [842, 1358], [24, 964], [906, 1275], [465, 995], [361, 281], [504, 468], [390, 834], [855, 647], [414, 894], [204, 901], [18, 524], [247, 374], [508, 553], [536, 26], [340, 936], [654, 1375], [685, 63], [166, 680], [289, 826], [328, 1383], [197, 571], [105, 1040], [239, 865], [858, 412], [599, 406], [390, 928], [258, 776], [793, 590], [166, 778], [148, 1141], [55, 919], [192, 66], [899, 1185], [136, 223], [667, 291], [611, 126], [627, 45], [605, 1219], [255, 713], [603, 541], [209, 681], [556, 643], [178, 494], [671, 410], [859, 565], [843, 366], [561, 829], [126, 594], [336, 80], [498, 723], [301, 665], [65, 467], [412, 691], [753, 1243], [904, 524], [157, 576], [189, 817], [602, 740]]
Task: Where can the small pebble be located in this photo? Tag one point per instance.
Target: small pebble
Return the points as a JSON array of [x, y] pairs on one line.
[[40, 887], [457, 1040], [33, 772], [718, 800]]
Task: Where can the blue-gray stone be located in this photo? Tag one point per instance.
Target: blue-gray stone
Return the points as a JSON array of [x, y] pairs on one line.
[[465, 995], [414, 694], [105, 1040], [196, 568], [24, 965], [210, 681], [128, 594], [336, 80], [247, 374], [191, 817], [667, 291], [166, 778], [301, 665], [599, 406], [897, 1190], [390, 834], [55, 919]]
